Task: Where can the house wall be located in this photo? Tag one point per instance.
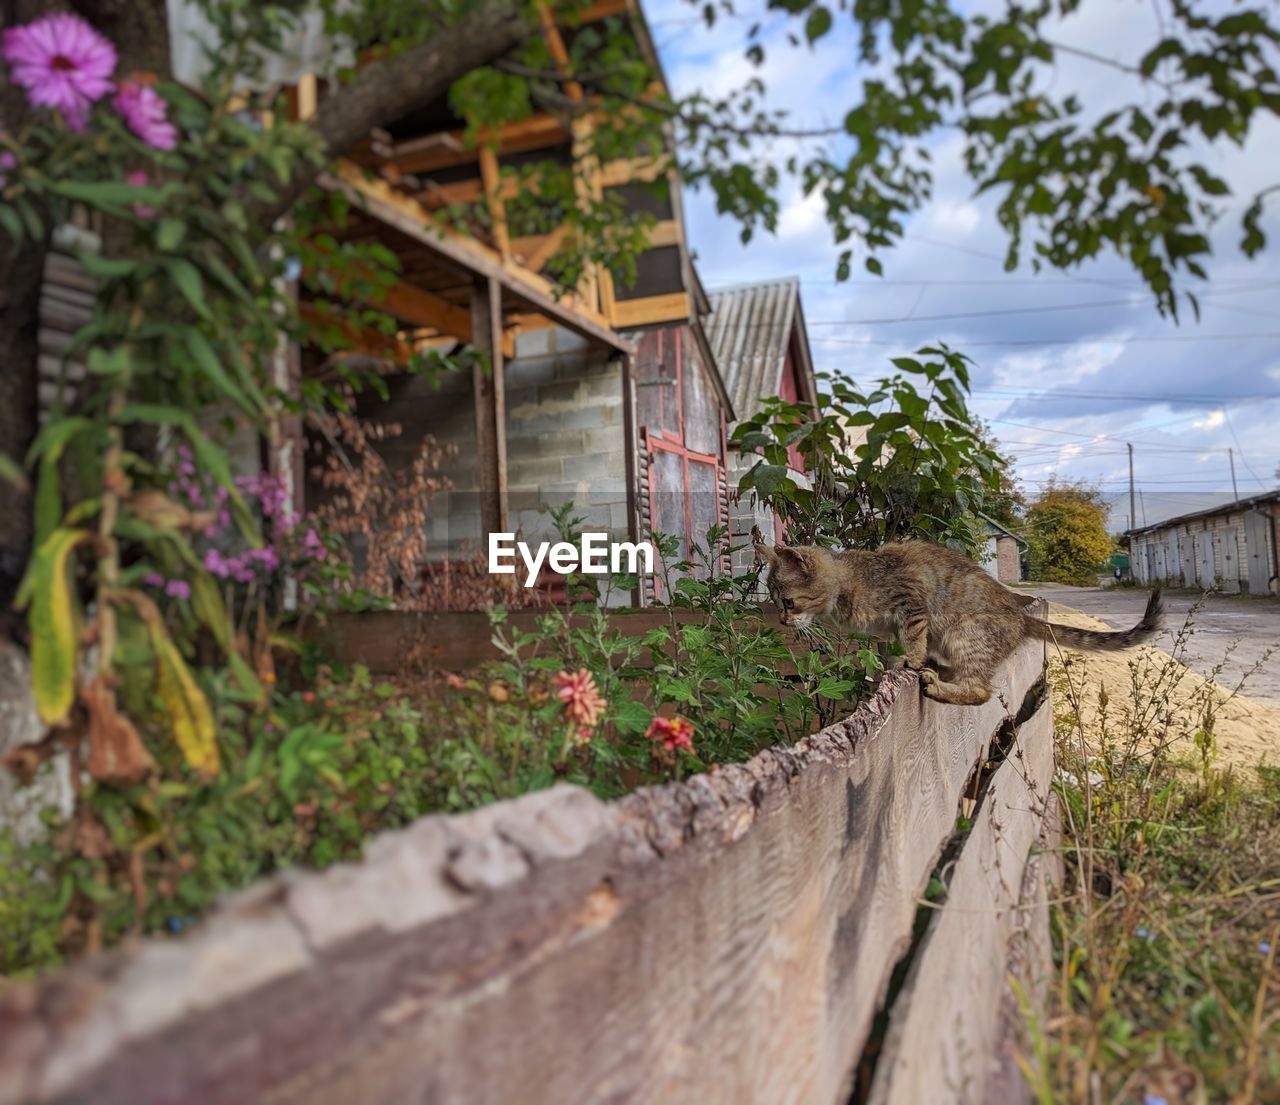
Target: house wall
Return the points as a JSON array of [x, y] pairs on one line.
[[1008, 563], [565, 440]]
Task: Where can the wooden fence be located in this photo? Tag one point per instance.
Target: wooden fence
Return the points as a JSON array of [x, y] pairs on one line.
[[730, 938]]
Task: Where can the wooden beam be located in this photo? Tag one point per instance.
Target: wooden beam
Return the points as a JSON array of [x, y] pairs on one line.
[[651, 309], [538, 251], [665, 233], [405, 214], [629, 170], [425, 309], [361, 338], [449, 148], [490, 404], [491, 177], [600, 9]]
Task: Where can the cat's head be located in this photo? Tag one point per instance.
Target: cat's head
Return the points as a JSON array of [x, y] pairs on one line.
[[800, 580]]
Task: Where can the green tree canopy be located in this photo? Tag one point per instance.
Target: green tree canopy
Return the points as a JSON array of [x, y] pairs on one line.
[[1067, 535]]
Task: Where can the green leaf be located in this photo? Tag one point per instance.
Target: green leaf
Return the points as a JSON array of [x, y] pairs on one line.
[[105, 268], [818, 24], [169, 234], [211, 368], [189, 282]]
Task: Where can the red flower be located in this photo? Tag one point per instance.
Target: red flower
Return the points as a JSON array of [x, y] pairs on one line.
[[581, 698], [674, 732], [308, 697]]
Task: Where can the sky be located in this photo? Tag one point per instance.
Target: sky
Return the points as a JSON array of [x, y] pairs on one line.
[[1079, 363]]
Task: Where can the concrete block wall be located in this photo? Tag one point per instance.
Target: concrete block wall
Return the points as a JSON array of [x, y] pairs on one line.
[[566, 437]]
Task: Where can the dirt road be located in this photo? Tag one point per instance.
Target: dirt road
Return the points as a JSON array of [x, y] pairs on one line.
[[1254, 623]]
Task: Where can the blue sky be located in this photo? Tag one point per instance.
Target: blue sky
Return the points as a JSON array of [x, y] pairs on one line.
[[1080, 363]]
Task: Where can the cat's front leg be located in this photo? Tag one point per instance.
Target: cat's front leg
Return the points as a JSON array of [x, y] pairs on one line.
[[914, 637]]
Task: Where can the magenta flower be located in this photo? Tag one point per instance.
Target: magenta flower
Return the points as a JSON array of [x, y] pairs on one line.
[[178, 589], [146, 114], [62, 62]]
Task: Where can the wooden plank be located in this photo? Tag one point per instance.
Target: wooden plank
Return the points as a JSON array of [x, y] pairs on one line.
[[490, 405], [945, 1028], [672, 307], [538, 251], [406, 215], [665, 233], [635, 169], [426, 309], [492, 180], [449, 149], [721, 941]]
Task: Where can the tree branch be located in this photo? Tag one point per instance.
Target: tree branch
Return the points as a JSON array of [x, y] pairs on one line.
[[386, 90]]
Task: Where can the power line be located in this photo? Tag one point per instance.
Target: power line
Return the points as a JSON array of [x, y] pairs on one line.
[[1035, 342]]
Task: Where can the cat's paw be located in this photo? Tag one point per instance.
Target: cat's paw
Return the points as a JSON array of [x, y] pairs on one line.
[[929, 679]]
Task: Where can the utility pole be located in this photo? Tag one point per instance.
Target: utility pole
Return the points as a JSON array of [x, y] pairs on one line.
[[1231, 456], [1133, 512]]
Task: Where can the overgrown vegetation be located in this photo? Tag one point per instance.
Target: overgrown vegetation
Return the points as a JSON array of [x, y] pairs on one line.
[[894, 462], [337, 756], [1168, 927]]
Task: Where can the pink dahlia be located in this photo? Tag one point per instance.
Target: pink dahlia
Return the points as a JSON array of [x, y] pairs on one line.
[[62, 62], [673, 732], [146, 114], [581, 698]]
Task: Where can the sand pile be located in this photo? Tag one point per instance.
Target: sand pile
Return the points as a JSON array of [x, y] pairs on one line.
[[1247, 731]]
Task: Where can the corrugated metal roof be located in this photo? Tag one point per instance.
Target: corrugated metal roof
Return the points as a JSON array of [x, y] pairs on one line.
[[1226, 508], [750, 328]]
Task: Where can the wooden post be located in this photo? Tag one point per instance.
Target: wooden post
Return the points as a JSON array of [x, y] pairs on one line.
[[491, 407]]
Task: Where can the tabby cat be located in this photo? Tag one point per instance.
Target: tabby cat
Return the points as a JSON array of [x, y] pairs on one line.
[[956, 624]]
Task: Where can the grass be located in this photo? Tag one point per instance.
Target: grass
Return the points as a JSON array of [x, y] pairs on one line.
[[1167, 928]]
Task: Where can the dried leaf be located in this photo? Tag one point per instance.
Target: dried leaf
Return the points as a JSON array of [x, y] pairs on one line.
[[116, 752]]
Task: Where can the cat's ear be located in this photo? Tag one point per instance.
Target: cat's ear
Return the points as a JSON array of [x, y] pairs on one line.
[[800, 559], [764, 554]]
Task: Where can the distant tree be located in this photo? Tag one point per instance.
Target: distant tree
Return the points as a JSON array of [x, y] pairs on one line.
[[1067, 534]]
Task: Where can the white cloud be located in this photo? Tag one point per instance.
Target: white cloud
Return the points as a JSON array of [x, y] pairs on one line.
[[1212, 421], [959, 219]]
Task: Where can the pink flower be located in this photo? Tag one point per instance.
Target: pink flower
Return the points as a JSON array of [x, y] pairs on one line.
[[673, 732], [178, 589], [139, 179], [146, 114], [7, 162], [62, 62], [153, 579], [581, 698]]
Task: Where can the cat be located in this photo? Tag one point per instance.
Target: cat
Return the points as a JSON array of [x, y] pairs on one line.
[[955, 623]]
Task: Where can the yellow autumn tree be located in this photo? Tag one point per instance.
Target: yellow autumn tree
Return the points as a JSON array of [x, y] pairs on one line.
[[1067, 535]]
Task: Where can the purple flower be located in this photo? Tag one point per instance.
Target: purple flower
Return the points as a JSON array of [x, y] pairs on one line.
[[1154, 1099], [178, 589], [153, 579], [146, 114], [1264, 948], [217, 564], [62, 62]]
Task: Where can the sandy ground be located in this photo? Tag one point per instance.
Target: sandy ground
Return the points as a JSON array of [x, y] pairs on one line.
[[1247, 730], [1231, 632]]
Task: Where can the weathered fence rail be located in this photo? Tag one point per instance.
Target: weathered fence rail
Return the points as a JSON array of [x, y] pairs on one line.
[[726, 939]]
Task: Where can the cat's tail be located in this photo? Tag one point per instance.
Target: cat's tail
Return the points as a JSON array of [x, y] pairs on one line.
[[1067, 636]]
